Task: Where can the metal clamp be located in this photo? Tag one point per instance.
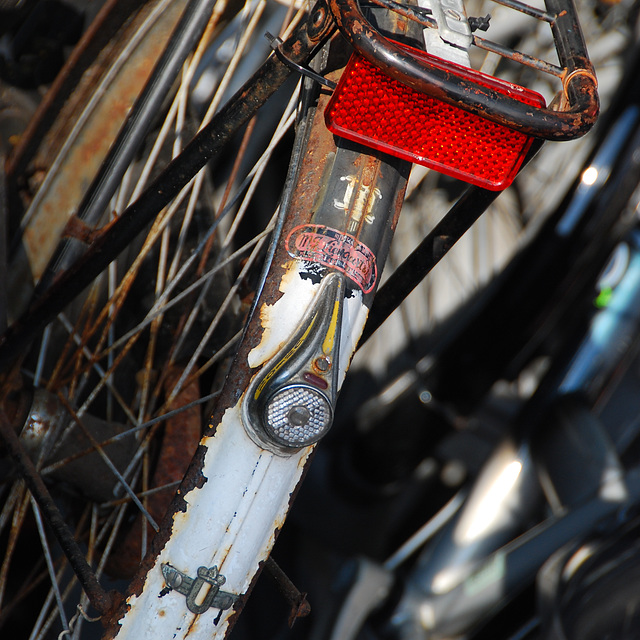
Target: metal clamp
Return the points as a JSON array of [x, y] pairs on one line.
[[275, 43], [190, 587]]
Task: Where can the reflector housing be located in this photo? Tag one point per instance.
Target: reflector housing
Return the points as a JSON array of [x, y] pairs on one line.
[[379, 112]]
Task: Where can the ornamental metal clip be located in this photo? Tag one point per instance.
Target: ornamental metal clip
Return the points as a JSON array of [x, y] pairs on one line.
[[190, 587]]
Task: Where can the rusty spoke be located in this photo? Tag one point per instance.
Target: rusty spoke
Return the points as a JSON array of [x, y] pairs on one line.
[[90, 357], [49, 562], [97, 447], [19, 514], [216, 320], [169, 487], [164, 302], [99, 597], [128, 432], [285, 122]]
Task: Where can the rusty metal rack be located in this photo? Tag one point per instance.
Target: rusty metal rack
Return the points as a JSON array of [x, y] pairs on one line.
[[568, 118]]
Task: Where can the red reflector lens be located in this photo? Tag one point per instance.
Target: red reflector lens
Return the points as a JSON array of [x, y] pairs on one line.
[[370, 108]]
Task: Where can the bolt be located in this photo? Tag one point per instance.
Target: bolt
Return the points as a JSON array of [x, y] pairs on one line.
[[318, 18], [322, 364], [299, 605], [299, 416], [318, 24]]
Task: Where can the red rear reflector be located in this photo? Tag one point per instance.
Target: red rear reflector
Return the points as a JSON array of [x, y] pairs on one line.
[[370, 108]]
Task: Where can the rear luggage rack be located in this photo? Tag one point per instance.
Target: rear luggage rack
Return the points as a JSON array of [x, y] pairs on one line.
[[570, 116]]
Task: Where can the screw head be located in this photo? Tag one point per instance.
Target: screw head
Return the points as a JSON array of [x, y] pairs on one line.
[[299, 416], [173, 578], [322, 364]]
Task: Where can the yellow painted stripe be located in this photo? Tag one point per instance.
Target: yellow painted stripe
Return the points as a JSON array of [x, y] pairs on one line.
[[285, 359], [327, 345]]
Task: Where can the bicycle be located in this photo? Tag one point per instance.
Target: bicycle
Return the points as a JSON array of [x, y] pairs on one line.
[[319, 324]]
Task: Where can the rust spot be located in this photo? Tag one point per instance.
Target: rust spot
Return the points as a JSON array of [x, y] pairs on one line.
[[76, 228], [191, 625]]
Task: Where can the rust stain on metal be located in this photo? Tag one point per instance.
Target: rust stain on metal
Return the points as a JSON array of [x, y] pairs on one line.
[[109, 19], [82, 161], [191, 626], [571, 123], [300, 606], [76, 228]]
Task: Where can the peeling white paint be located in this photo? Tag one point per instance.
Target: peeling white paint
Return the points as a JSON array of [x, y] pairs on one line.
[[229, 522], [354, 317], [281, 318]]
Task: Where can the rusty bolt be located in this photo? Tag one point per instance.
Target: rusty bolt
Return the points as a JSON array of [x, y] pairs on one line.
[[322, 364], [318, 18], [320, 22]]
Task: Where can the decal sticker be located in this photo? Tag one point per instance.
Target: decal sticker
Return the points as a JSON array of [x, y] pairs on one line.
[[332, 248]]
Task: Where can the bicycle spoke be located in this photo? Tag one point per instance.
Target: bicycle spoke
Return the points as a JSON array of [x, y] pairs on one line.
[[214, 323], [19, 513], [49, 560]]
